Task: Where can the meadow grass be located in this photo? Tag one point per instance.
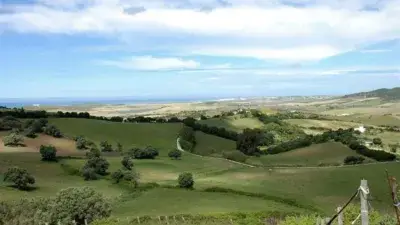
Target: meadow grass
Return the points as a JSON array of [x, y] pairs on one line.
[[328, 124], [212, 145], [234, 123], [162, 136], [329, 153]]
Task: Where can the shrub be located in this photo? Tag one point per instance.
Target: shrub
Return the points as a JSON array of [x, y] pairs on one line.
[[105, 147], [48, 153], [133, 177], [377, 141], [81, 142], [146, 153], [30, 133], [127, 163], [351, 160], [53, 131], [185, 180], [117, 176], [175, 154], [13, 139], [79, 204], [235, 156], [119, 147], [20, 177]]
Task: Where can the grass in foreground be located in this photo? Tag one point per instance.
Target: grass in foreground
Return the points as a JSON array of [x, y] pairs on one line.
[[330, 153]]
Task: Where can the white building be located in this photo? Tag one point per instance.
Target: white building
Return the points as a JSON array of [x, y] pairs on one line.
[[361, 129]]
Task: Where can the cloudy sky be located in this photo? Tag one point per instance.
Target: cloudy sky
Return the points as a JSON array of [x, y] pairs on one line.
[[197, 48]]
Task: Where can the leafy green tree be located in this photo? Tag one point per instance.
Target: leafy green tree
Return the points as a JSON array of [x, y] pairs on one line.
[[105, 147], [127, 163], [30, 133], [20, 177], [117, 176], [99, 164], [175, 154], [48, 152], [80, 203], [248, 141], [13, 139], [185, 180], [120, 148], [133, 177], [81, 142]]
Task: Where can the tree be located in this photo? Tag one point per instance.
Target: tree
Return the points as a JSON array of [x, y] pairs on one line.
[[377, 141], [185, 180], [53, 131], [127, 163], [105, 147], [99, 164], [133, 177], [351, 160], [80, 203], [145, 153], [248, 141], [88, 173], [49, 153], [30, 133], [175, 154], [20, 177], [81, 142], [117, 176], [13, 139]]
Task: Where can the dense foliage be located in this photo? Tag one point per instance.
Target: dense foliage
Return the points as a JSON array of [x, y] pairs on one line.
[[105, 146], [95, 165], [185, 180], [143, 153], [352, 160], [52, 131], [48, 153], [175, 154], [13, 139], [127, 163], [217, 131], [20, 177], [249, 141]]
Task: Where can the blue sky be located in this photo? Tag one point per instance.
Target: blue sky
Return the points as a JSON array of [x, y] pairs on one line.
[[199, 48]]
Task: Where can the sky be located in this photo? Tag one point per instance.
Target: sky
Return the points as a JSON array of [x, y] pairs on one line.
[[197, 48]]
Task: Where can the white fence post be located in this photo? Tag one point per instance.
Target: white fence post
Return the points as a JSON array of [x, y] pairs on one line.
[[364, 202]]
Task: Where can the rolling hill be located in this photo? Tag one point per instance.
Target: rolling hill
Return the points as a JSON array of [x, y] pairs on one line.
[[383, 93]]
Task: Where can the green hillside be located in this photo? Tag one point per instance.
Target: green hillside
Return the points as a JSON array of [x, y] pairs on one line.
[[234, 123], [383, 93]]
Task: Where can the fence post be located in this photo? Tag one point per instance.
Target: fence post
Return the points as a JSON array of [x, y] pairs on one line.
[[364, 202], [340, 216]]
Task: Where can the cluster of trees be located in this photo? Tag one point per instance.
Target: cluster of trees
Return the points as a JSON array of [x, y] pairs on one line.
[[290, 145], [249, 141], [148, 152], [95, 166], [71, 204], [14, 139], [127, 173], [187, 138], [175, 154], [217, 131]]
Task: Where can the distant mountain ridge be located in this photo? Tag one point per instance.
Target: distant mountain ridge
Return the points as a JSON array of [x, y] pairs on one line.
[[383, 93]]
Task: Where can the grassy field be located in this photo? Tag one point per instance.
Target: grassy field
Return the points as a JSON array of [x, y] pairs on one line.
[[234, 123], [328, 124], [161, 136], [212, 145], [330, 153], [376, 120]]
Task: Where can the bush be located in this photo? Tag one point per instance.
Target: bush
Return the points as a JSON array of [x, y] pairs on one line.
[[81, 142], [237, 156], [13, 139], [20, 177], [120, 148], [377, 141], [105, 147], [48, 153], [30, 133], [117, 176], [185, 180], [53, 131], [89, 173], [127, 163], [79, 204], [352, 160], [145, 153], [175, 154]]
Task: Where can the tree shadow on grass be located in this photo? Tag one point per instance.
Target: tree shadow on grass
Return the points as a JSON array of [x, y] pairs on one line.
[[27, 189]]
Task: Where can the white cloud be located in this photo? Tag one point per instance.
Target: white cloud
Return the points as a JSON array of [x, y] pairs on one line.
[[299, 53], [312, 32], [375, 50], [152, 63]]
